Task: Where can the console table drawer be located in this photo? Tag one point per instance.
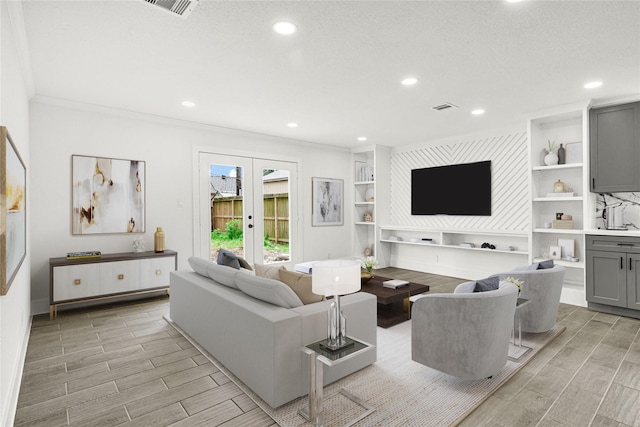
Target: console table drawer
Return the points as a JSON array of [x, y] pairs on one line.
[[120, 276], [155, 272], [75, 281]]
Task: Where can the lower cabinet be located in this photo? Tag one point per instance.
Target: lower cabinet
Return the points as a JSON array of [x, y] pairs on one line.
[[613, 271], [77, 280]]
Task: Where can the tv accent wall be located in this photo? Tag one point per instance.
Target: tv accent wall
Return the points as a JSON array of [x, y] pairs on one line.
[[510, 182]]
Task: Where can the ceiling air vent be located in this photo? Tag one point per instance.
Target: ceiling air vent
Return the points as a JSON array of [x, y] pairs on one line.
[[179, 7], [445, 106]]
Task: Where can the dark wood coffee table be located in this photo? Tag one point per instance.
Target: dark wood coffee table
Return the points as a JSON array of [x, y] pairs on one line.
[[393, 304]]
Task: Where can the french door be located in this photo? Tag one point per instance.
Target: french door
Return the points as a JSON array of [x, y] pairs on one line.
[[248, 205]]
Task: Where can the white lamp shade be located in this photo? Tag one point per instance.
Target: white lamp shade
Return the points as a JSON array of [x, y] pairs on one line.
[[335, 277]]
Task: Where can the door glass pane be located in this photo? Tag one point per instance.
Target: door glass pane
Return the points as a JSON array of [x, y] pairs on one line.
[[227, 204], [275, 201]]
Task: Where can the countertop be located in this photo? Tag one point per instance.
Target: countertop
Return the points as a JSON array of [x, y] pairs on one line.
[[604, 232]]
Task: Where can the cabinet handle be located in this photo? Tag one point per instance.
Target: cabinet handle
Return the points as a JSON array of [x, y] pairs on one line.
[[621, 261], [593, 183], [630, 265], [120, 276], [76, 282], [158, 272], [626, 244]]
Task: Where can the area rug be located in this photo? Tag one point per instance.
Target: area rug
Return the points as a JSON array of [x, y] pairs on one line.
[[403, 392]]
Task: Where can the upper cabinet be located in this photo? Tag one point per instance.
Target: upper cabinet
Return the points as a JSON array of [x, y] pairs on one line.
[[614, 134]]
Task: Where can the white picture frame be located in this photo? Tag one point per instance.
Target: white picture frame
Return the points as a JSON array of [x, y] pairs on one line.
[[555, 252], [327, 201], [573, 152], [567, 248]]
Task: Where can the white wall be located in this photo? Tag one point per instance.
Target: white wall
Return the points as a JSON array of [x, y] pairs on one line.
[[507, 150], [14, 307], [59, 130]]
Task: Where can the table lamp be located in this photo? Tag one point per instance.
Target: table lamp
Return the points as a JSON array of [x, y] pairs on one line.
[[335, 278]]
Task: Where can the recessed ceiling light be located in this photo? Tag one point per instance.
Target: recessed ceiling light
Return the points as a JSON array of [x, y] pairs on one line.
[[409, 81], [514, 1], [593, 85], [189, 104], [362, 138], [285, 28], [292, 125], [478, 112]]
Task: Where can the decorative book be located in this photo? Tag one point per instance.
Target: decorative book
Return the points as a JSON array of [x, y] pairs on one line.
[[86, 254], [395, 283]]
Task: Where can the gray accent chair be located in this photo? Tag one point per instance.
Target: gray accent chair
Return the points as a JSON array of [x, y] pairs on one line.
[[543, 288], [464, 334]]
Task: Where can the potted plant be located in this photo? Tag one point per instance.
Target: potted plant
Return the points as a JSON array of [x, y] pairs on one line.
[[368, 264], [551, 158]]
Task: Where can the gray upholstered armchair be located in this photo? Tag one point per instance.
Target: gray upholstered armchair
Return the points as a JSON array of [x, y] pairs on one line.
[[543, 288], [464, 334]]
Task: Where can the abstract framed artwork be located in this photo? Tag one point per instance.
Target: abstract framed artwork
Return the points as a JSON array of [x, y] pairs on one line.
[[328, 201], [13, 212], [108, 195]]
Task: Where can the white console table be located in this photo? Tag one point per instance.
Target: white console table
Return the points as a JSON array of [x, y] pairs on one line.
[[85, 279]]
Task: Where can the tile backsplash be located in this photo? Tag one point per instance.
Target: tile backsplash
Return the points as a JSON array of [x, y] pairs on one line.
[[631, 203]]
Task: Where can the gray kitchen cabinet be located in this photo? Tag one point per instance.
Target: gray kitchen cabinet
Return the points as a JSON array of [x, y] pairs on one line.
[[614, 138], [613, 271]]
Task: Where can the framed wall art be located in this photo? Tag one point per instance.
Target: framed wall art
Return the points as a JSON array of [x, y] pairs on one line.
[[13, 212], [108, 195], [568, 247], [555, 252], [573, 152], [328, 199]]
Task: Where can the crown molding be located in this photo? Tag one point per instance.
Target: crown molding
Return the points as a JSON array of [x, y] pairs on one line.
[[94, 108]]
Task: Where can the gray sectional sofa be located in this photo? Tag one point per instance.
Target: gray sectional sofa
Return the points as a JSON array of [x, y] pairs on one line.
[[227, 313]]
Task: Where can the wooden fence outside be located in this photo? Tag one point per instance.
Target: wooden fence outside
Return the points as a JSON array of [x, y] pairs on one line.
[[276, 215]]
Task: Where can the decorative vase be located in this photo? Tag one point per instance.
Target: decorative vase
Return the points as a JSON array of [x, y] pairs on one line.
[[561, 155], [365, 276], [551, 159], [158, 240]]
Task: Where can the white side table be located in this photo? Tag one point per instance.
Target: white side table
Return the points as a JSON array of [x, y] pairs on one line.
[[319, 357], [517, 351]]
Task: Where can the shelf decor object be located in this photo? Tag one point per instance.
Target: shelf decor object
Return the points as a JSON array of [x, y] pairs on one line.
[[335, 278], [567, 248], [551, 158], [574, 152], [108, 195], [555, 252], [328, 201], [13, 216]]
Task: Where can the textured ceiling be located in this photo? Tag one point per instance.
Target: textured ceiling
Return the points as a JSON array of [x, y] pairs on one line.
[[339, 76]]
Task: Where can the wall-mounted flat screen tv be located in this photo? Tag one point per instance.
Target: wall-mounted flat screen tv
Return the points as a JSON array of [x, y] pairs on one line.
[[461, 189]]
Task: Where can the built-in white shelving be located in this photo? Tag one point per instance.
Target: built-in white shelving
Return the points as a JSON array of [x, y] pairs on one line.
[[371, 199], [455, 239], [563, 126]]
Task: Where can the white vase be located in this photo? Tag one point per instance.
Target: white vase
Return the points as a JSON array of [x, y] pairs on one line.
[[551, 159]]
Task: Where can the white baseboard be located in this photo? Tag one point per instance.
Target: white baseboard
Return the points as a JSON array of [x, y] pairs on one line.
[[16, 380]]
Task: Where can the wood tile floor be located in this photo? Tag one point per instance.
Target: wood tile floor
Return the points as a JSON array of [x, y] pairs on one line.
[[124, 365]]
